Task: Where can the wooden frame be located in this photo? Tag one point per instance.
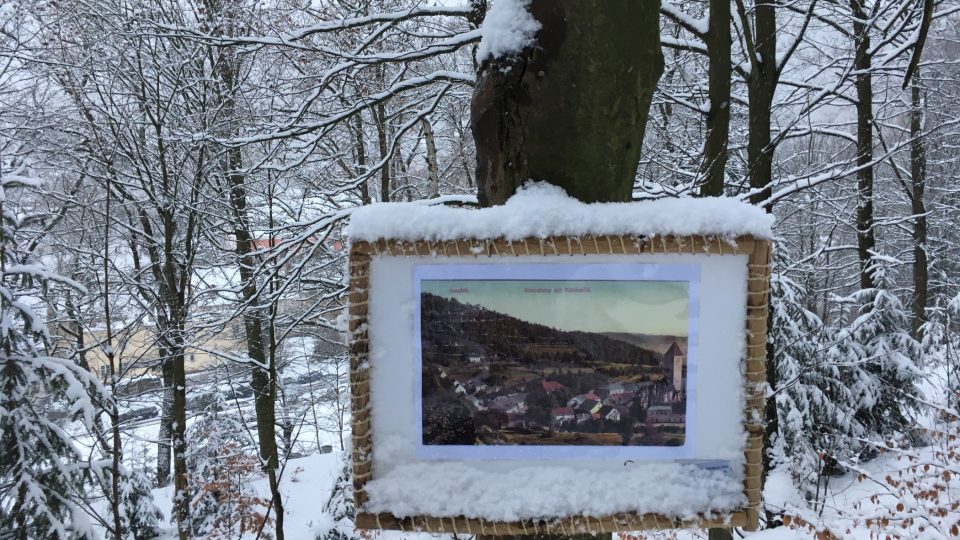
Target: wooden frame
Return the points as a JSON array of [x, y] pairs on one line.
[[758, 289]]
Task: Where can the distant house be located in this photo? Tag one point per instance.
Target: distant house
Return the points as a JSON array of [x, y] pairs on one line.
[[575, 401], [609, 413], [510, 403], [476, 384], [517, 420], [562, 415], [613, 389], [590, 406], [625, 397], [664, 414], [475, 359], [552, 386], [524, 421]]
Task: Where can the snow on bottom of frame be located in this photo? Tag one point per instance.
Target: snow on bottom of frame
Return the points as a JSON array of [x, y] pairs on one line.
[[454, 489]]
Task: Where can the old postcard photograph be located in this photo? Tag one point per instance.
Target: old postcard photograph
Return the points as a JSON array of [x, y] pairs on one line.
[[554, 362]]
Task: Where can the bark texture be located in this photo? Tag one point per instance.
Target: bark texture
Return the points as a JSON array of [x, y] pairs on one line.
[[718, 118], [433, 174], [761, 85], [166, 424], [918, 173], [380, 114], [866, 239], [572, 109]]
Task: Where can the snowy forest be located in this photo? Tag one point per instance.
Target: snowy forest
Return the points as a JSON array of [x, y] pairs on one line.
[[177, 177]]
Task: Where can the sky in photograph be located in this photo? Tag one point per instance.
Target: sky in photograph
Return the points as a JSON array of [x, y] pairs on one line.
[[636, 307]]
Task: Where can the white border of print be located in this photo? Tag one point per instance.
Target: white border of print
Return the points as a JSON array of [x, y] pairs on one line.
[[565, 272]]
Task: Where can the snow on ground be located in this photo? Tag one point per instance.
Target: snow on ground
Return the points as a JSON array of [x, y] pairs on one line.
[[307, 482], [305, 485], [540, 210], [908, 493]]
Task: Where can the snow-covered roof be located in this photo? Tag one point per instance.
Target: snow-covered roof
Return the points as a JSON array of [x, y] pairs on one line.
[[540, 210]]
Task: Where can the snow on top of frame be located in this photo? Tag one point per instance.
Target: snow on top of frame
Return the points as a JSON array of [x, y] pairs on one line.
[[540, 210]]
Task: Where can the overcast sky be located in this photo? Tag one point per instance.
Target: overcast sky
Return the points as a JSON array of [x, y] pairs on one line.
[[636, 307]]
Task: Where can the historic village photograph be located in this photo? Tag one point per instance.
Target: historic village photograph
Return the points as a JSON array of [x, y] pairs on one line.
[[554, 362]]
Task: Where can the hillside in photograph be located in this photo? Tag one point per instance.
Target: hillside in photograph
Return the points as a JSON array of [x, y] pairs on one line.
[[652, 342], [452, 331]]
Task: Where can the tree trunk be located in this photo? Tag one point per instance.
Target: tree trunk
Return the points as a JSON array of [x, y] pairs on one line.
[[166, 420], [178, 436], [116, 448], [173, 419], [761, 86], [362, 162], [253, 323], [866, 241], [713, 166], [433, 174], [719, 534], [262, 377], [380, 114], [918, 173], [467, 173], [718, 118], [171, 314], [760, 89], [571, 110]]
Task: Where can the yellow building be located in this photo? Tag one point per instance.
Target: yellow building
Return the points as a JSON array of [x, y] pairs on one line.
[[137, 352]]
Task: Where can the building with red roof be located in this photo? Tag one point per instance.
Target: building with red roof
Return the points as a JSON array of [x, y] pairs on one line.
[[552, 386]]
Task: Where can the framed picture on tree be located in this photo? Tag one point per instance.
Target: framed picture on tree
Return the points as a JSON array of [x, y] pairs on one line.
[[536, 374]]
